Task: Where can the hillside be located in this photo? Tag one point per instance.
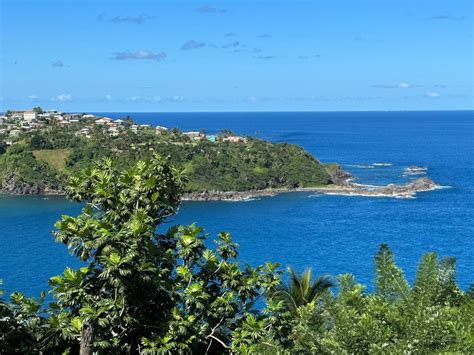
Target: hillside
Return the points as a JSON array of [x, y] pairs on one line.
[[40, 161]]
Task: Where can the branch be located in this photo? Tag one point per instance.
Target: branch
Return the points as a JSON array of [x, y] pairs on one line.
[[220, 341], [211, 335]]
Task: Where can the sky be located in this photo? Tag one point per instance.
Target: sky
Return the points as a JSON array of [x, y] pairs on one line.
[[163, 56]]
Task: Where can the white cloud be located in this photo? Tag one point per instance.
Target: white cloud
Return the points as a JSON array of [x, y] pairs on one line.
[[155, 99], [432, 94], [62, 98], [141, 54], [252, 99], [396, 86], [108, 97], [404, 86], [33, 97]]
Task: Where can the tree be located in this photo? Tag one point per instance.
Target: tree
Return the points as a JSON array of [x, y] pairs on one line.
[[19, 324], [433, 316], [142, 290], [300, 291]]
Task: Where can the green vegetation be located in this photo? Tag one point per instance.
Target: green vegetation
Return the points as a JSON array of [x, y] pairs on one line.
[[55, 158], [147, 291], [19, 166], [218, 166]]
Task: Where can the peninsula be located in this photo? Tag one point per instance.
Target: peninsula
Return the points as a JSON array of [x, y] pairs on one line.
[[39, 150]]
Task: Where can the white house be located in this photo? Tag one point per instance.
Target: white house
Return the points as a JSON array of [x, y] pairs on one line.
[[29, 116], [103, 120], [114, 131], [234, 139]]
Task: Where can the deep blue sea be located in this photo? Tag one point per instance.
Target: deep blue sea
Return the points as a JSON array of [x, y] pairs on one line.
[[331, 234]]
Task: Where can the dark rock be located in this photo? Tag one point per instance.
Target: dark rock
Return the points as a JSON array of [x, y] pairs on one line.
[[340, 176], [13, 185]]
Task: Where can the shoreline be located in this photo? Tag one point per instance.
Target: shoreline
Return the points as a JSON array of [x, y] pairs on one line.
[[406, 191]]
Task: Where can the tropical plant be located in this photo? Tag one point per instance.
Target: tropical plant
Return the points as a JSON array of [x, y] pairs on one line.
[[433, 316], [141, 290], [300, 289]]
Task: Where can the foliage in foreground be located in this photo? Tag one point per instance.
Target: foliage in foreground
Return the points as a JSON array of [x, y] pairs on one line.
[[143, 290]]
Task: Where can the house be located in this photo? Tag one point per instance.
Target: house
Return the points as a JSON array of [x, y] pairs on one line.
[[103, 121], [160, 130], [29, 116], [119, 122], [44, 116], [234, 139], [194, 135], [2, 119], [16, 115], [84, 132], [211, 138], [88, 116], [114, 131]]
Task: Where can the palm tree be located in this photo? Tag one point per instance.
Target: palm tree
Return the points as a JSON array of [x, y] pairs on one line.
[[299, 291]]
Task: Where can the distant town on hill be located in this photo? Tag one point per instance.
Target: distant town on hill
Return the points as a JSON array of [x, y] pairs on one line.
[[40, 149]]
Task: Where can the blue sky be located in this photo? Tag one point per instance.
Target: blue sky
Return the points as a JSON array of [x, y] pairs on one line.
[[237, 55]]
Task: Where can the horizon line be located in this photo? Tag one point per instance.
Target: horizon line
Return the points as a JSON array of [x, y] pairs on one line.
[[286, 111]]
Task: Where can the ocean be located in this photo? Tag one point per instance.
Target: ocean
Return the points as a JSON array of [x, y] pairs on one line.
[[330, 234]]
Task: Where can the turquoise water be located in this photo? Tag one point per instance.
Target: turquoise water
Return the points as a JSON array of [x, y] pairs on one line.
[[332, 234]]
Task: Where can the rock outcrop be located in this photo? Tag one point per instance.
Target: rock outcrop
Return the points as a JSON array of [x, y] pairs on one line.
[[392, 190], [340, 176], [344, 189], [13, 185]]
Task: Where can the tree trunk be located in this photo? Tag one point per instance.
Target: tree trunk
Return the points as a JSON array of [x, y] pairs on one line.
[[87, 336]]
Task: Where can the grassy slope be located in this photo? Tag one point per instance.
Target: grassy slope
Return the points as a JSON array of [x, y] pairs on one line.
[[55, 158]]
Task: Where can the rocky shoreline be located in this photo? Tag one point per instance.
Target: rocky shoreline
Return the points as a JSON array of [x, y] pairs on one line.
[[341, 188], [12, 185], [408, 190]]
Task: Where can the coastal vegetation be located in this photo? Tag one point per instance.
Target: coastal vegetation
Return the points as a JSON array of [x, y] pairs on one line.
[[145, 289], [55, 151]]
